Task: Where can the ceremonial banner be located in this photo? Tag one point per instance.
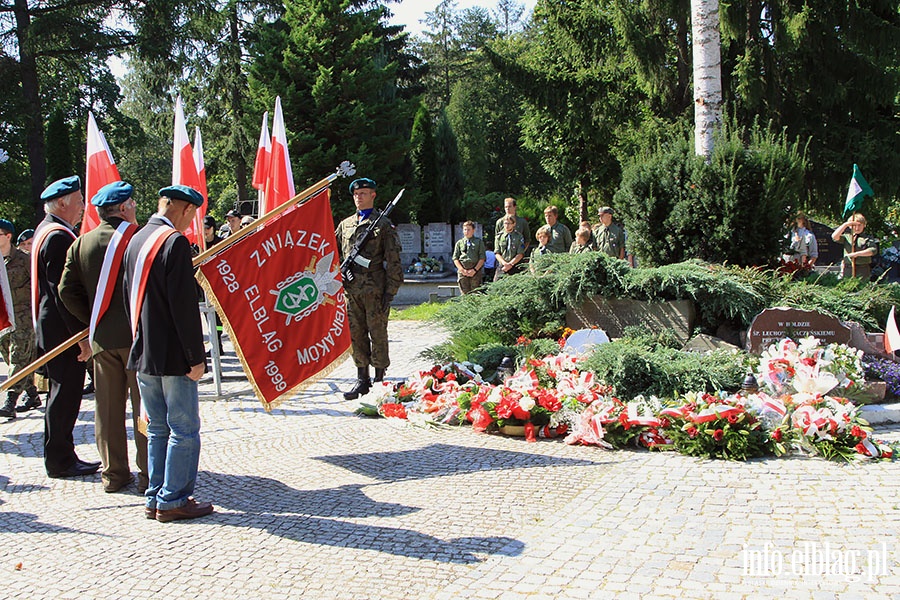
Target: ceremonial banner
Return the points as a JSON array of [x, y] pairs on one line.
[[280, 296], [184, 169], [857, 192], [101, 169]]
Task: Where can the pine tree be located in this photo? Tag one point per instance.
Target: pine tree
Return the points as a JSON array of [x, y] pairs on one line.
[[338, 69], [450, 182], [424, 167]]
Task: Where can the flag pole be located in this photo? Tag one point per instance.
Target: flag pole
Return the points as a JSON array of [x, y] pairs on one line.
[[345, 170]]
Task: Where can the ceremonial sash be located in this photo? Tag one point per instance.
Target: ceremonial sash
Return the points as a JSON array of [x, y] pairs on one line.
[[145, 258], [40, 236], [109, 272]]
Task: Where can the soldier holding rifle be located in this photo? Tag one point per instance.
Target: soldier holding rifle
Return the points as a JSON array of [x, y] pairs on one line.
[[370, 281]]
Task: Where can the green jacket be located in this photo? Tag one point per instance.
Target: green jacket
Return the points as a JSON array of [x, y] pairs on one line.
[[78, 286], [509, 245], [469, 252], [610, 240], [521, 227], [560, 238]]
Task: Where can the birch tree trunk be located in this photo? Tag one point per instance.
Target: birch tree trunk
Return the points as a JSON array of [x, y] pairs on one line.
[[707, 74]]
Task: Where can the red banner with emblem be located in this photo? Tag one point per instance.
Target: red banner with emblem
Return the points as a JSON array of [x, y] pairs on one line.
[[280, 296]]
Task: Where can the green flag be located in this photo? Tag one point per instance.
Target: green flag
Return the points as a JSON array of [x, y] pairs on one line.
[[859, 189]]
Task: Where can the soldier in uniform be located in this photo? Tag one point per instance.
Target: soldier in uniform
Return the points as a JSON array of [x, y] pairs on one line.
[[469, 256], [609, 237], [510, 250], [82, 288], [23, 243], [64, 205], [373, 288], [17, 346]]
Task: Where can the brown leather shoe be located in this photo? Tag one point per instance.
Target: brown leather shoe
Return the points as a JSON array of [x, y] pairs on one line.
[[150, 513], [191, 510]]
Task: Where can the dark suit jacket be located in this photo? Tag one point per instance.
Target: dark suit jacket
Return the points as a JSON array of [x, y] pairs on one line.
[[78, 287], [169, 338], [55, 324]]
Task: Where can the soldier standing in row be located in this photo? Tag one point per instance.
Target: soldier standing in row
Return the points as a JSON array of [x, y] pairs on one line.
[[17, 346], [373, 288]]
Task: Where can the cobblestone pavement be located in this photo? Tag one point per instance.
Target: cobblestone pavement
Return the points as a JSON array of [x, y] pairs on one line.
[[313, 501]]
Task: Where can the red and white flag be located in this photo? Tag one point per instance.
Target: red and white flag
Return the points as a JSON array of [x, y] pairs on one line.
[[261, 166], [7, 316], [891, 334], [184, 169], [201, 177], [101, 169], [280, 182], [280, 296]]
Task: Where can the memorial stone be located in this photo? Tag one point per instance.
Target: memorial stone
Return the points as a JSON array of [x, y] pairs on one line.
[[439, 241], [774, 324], [613, 315], [410, 236], [830, 252]]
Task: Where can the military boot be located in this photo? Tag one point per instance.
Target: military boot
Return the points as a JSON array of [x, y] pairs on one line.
[[379, 375], [9, 409], [33, 401], [362, 384]]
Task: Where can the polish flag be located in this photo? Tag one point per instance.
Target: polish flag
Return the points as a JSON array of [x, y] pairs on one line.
[[101, 169], [184, 169], [201, 177], [280, 183], [261, 166], [891, 334]]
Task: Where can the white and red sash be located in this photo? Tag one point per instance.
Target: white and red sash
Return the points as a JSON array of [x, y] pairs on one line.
[[145, 258], [44, 229], [109, 272]]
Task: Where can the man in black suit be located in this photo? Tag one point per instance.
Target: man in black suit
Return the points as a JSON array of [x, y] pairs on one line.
[[168, 352], [53, 325]]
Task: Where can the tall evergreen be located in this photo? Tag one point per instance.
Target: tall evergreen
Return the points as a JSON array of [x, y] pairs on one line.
[[450, 182], [59, 148], [424, 193], [337, 68]]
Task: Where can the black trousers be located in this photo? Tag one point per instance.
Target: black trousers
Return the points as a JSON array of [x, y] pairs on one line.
[[66, 376]]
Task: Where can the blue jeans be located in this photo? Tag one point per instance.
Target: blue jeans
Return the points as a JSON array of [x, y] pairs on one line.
[[173, 438]]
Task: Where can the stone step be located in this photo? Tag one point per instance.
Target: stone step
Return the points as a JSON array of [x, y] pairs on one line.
[[878, 414]]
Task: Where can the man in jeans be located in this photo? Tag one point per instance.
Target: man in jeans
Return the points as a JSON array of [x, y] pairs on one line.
[[168, 352]]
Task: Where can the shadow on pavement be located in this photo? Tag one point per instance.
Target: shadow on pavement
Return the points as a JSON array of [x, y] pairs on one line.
[[266, 506], [438, 460]]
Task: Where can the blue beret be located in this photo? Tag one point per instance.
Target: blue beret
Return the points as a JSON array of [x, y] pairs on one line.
[[182, 192], [363, 182], [7, 226], [25, 235], [113, 193], [61, 187]]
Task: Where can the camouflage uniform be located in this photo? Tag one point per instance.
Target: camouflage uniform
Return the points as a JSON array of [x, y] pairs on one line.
[[368, 320], [17, 347]]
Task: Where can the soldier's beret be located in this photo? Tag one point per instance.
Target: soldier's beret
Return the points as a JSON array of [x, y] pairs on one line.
[[25, 235], [7, 226], [61, 187], [363, 182], [113, 193], [182, 192]]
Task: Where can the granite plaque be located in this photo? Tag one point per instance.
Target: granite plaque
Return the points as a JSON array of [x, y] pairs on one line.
[[774, 324], [410, 236], [614, 315], [438, 241]]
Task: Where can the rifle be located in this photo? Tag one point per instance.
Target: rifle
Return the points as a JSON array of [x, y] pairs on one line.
[[353, 256]]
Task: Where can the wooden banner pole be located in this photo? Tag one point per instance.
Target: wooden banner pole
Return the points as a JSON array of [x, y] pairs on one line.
[[303, 196]]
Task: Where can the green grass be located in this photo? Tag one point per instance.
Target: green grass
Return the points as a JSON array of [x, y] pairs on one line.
[[422, 312]]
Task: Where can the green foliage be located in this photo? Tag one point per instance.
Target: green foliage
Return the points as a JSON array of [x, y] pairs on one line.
[[422, 199], [849, 300], [59, 148], [490, 355], [420, 312], [733, 209], [632, 367], [449, 175]]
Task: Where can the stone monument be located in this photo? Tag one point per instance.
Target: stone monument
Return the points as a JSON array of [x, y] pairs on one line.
[[773, 324], [439, 241], [410, 236]]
